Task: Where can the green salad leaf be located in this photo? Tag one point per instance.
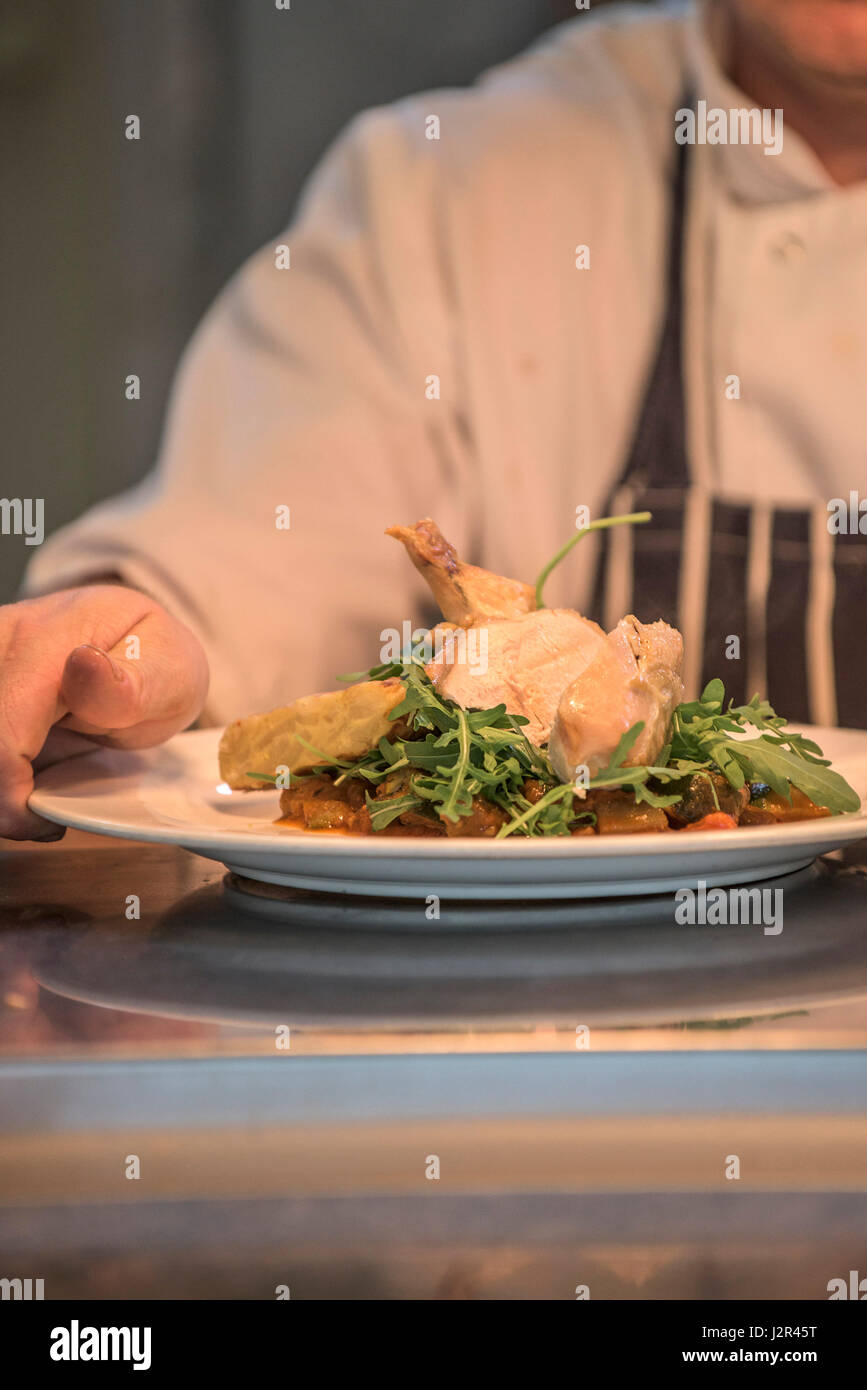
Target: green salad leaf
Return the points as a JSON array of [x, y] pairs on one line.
[[450, 756], [702, 733]]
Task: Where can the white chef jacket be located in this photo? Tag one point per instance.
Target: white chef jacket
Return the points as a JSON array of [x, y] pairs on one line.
[[438, 345]]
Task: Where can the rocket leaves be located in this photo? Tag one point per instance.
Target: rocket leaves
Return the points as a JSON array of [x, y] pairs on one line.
[[443, 757], [707, 731]]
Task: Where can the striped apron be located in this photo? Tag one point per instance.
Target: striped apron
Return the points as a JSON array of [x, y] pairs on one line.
[[771, 576]]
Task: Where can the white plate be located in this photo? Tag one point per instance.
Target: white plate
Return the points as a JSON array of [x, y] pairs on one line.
[[170, 795]]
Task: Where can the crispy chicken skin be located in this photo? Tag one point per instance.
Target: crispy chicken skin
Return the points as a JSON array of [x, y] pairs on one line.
[[466, 594], [635, 676]]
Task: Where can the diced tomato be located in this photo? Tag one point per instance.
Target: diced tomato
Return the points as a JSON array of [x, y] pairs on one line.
[[717, 820]]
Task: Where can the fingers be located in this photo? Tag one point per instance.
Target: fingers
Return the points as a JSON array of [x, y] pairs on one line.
[[61, 744], [17, 821], [27, 711], [106, 662]]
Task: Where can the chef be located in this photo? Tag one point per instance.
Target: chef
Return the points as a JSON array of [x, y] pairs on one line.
[[549, 296]]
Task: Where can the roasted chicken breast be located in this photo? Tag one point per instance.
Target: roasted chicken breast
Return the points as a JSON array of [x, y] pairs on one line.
[[524, 663], [634, 676]]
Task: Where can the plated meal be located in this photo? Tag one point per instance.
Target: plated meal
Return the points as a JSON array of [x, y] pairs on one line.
[[510, 720], [512, 753]]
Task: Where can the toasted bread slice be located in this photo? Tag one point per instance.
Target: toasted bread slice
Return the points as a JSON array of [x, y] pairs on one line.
[[343, 724]]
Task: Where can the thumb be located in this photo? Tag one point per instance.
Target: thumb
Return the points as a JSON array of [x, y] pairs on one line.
[[100, 690], [140, 700]]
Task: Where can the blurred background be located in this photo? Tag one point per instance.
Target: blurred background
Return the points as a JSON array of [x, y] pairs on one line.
[[113, 248]]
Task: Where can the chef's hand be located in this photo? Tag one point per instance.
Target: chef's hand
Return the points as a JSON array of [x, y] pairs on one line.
[[100, 661]]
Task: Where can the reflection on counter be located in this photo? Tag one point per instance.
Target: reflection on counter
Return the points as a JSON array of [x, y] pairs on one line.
[[230, 968]]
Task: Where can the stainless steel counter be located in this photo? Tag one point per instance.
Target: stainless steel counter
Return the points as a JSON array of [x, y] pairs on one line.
[[286, 1072]]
